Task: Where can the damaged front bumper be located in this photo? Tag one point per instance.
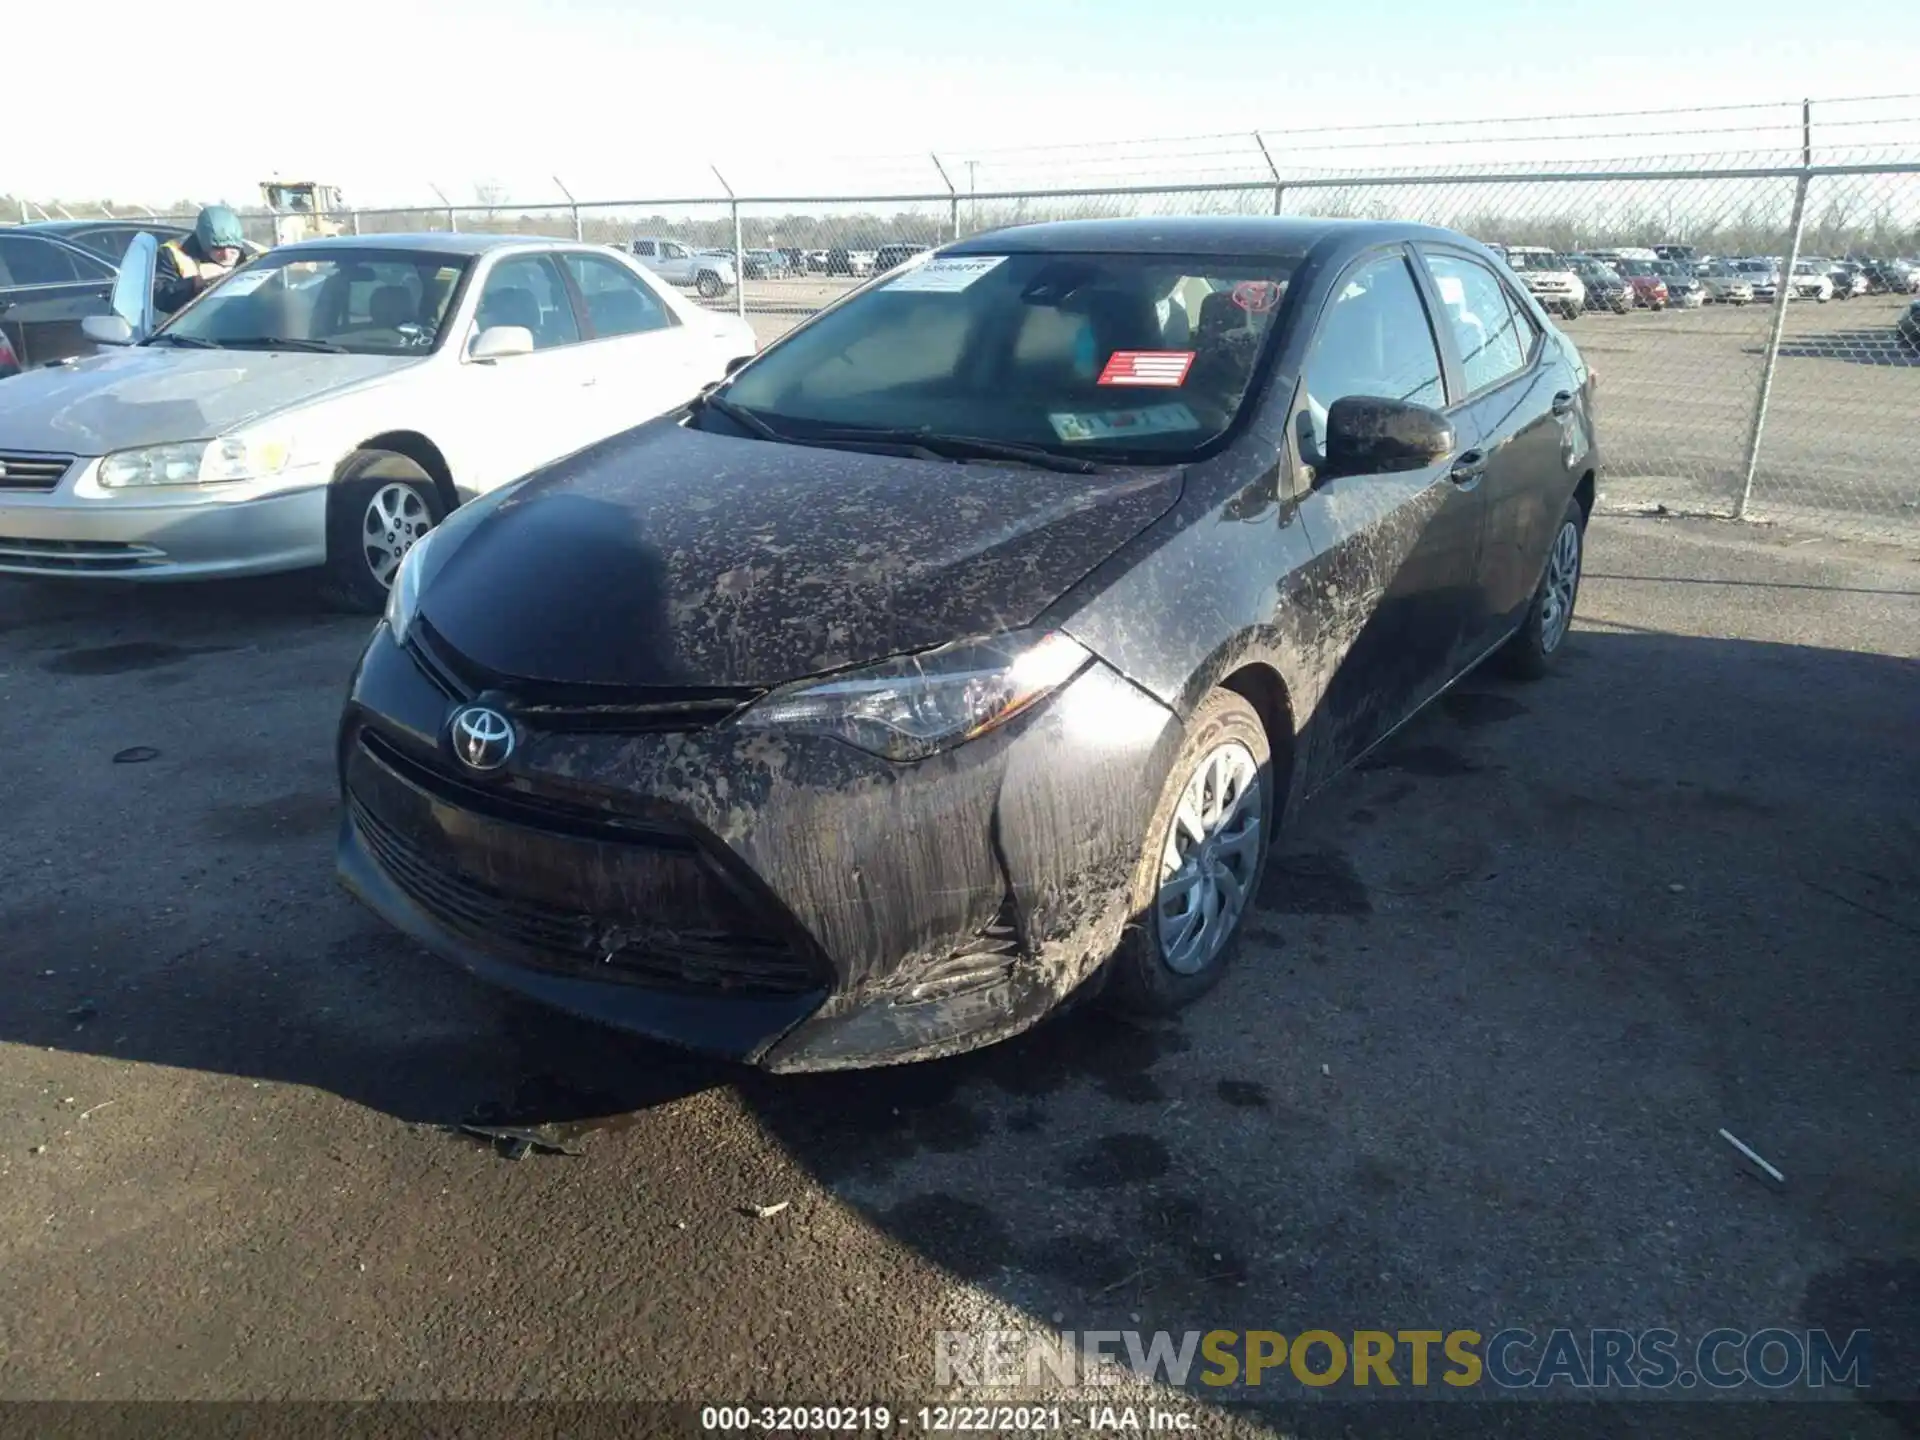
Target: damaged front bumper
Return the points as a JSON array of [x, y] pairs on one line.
[[787, 901]]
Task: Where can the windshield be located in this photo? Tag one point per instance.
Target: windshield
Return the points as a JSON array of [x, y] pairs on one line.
[[364, 302], [1671, 270], [1535, 260], [1634, 267], [1136, 356]]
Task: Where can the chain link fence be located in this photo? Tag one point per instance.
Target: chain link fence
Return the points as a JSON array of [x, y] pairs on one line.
[[1726, 393]]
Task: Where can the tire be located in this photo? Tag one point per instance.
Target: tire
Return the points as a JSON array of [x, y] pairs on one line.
[[1225, 741], [379, 505], [1530, 653], [709, 285], [1621, 309]]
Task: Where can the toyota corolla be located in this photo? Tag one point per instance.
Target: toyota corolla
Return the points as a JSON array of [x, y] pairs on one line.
[[964, 650]]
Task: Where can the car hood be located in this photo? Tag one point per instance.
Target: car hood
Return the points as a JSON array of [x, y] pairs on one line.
[[671, 557], [151, 394]]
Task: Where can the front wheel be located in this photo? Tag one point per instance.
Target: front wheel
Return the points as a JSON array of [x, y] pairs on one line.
[[1529, 654], [378, 507], [710, 285], [1201, 862]]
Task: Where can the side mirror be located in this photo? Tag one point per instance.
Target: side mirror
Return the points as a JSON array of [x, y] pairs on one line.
[[107, 330], [733, 365], [500, 342], [1370, 436]]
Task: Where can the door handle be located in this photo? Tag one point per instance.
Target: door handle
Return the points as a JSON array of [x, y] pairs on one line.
[[1563, 402], [1468, 469]]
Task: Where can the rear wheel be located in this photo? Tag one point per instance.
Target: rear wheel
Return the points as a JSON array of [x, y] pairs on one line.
[[1529, 654], [378, 507], [710, 286], [1201, 862]]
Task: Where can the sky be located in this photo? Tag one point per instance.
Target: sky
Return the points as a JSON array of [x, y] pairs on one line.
[[388, 99]]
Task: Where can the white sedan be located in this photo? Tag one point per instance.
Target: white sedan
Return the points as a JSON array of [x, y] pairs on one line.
[[330, 402]]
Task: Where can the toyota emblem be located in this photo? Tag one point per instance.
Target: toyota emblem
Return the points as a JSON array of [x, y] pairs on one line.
[[482, 737]]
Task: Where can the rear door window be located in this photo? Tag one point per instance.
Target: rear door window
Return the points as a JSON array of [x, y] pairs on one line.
[[618, 301], [1493, 335]]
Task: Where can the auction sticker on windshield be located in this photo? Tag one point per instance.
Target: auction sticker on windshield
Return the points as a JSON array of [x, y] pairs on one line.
[[946, 277], [247, 281], [1147, 367], [1124, 424]]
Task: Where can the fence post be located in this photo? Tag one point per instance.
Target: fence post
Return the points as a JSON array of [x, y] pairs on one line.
[[353, 220], [953, 195], [739, 250], [573, 205], [1781, 298], [1272, 169]]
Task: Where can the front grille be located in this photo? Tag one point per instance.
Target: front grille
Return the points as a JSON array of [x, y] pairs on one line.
[[68, 556], [669, 917], [578, 709], [24, 470], [710, 961]]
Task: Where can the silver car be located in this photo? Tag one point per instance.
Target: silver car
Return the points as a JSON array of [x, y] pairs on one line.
[[328, 403]]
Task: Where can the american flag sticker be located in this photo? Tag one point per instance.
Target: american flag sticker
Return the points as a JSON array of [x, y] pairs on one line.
[[1167, 368]]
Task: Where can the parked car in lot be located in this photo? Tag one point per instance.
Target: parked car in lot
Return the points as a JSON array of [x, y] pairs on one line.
[[1849, 280], [332, 401], [841, 261], [1549, 278], [1649, 286], [891, 257], [1679, 254], [1909, 328], [1685, 290], [1726, 285], [968, 647], [1605, 290], [709, 274], [47, 288], [767, 265], [1810, 281], [107, 239]]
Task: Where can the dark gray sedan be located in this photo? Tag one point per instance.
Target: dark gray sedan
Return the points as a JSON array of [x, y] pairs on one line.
[[966, 649]]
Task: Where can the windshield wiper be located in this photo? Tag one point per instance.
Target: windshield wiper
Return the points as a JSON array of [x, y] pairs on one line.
[[191, 342], [283, 342], [740, 416], [960, 447]]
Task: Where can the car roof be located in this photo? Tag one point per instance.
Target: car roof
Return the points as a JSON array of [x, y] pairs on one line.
[[436, 242], [62, 228], [1194, 235]]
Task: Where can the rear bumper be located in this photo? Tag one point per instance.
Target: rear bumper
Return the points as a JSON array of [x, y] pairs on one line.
[[203, 536], [788, 902]]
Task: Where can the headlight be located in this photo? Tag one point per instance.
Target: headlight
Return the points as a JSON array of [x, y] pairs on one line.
[[918, 705], [196, 462], [403, 599]]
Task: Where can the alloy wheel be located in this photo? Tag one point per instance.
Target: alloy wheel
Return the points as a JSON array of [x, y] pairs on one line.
[[1558, 588], [1208, 863], [395, 518]]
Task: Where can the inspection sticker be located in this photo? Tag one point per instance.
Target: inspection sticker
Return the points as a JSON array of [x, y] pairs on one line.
[[1124, 424], [1166, 368], [948, 276]]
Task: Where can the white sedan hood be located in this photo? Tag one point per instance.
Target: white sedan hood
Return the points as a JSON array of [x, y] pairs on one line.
[[153, 394]]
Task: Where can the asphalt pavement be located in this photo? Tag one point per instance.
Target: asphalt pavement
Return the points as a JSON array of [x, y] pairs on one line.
[[1506, 985]]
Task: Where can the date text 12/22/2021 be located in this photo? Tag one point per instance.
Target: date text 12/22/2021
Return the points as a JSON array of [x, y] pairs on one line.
[[941, 1419]]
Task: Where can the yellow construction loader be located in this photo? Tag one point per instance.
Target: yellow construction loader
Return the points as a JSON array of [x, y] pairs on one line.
[[302, 210]]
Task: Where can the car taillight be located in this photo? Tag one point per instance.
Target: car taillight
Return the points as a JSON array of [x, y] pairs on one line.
[[8, 360]]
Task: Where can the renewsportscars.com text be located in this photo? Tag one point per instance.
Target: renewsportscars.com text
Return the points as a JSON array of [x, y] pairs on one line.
[[1771, 1359]]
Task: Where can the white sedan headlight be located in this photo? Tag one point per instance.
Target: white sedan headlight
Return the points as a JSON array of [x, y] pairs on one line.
[[917, 705], [196, 462]]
